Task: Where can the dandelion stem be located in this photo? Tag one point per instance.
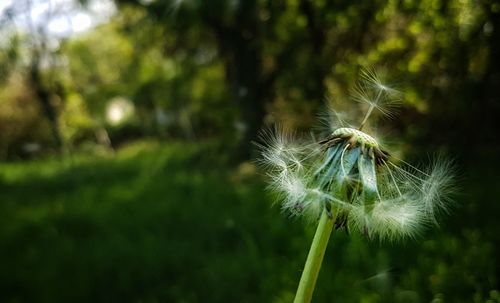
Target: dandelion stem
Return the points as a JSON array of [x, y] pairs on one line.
[[314, 258]]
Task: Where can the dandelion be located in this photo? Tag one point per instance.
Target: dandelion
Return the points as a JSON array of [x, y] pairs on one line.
[[349, 181]]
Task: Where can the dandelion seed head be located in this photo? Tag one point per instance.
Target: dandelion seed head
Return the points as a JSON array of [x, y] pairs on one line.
[[280, 149], [372, 78], [437, 188], [294, 194], [377, 94], [330, 119], [349, 174], [398, 219]]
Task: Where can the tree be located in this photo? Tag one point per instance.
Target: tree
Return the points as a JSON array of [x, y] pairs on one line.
[[266, 46], [42, 59]]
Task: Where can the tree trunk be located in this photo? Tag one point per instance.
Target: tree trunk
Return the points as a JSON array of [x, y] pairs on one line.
[[239, 45], [44, 97]]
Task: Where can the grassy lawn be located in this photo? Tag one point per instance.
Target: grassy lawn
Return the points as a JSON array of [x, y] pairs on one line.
[[154, 223]]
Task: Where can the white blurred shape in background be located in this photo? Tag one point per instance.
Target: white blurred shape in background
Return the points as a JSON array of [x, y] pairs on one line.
[[119, 111]]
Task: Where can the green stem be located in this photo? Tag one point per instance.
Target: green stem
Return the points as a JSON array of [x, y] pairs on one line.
[[314, 258]]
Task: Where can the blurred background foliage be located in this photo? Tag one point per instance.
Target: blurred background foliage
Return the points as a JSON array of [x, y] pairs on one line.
[[125, 148]]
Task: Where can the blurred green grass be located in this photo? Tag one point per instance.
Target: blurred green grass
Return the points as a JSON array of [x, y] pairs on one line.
[[154, 223], [176, 223]]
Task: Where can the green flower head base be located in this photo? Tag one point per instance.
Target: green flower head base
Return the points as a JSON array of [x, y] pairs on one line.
[[350, 176]]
